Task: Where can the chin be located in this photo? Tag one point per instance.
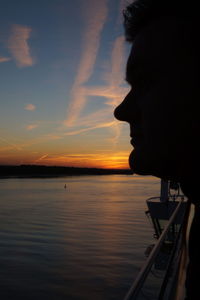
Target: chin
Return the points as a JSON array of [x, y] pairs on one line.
[[138, 165], [142, 164]]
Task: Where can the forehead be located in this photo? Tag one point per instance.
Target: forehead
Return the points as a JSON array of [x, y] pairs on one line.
[[160, 43]]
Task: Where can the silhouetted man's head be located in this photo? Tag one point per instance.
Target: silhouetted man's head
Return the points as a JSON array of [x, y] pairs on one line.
[[162, 105]]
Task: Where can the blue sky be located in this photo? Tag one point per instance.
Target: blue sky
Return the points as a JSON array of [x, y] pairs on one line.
[[62, 69]]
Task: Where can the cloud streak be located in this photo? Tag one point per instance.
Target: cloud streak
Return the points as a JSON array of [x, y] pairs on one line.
[[43, 157], [96, 18], [18, 46], [10, 145], [30, 107], [113, 92], [4, 59], [31, 126], [100, 125]]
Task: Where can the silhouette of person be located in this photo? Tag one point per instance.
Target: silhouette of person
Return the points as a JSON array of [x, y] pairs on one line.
[[162, 105]]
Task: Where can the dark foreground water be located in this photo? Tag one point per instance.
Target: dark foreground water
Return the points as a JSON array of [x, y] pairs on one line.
[[80, 243]]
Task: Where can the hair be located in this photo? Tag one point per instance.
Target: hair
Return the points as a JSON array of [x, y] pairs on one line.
[[140, 12]]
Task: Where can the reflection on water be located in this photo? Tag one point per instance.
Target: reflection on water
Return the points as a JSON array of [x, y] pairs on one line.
[[82, 242]]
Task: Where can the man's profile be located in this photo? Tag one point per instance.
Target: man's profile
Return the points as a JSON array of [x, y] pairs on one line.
[[162, 106]]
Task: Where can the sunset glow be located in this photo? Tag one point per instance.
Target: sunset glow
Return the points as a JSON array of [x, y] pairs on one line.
[[62, 71]]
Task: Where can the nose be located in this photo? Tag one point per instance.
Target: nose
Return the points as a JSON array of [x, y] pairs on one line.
[[124, 112]]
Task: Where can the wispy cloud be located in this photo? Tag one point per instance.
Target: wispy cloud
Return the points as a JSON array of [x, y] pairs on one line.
[[18, 45], [51, 136], [113, 92], [41, 158], [4, 59], [31, 126], [100, 125], [96, 18], [30, 107], [10, 145]]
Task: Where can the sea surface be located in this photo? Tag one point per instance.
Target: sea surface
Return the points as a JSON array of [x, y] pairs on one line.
[[82, 242]]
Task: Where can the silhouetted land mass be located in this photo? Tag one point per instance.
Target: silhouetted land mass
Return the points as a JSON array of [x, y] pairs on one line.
[[31, 171]]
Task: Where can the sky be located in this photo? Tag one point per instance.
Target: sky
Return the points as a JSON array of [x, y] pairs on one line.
[[62, 70]]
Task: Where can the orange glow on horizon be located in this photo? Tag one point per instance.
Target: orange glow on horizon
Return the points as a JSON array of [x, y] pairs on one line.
[[104, 161]]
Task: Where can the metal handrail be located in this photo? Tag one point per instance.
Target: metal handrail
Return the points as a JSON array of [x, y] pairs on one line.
[[170, 197], [137, 284], [180, 240]]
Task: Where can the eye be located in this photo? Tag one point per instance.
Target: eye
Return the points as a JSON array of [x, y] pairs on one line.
[[138, 76]]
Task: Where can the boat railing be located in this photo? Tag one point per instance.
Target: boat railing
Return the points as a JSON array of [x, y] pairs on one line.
[[138, 288]]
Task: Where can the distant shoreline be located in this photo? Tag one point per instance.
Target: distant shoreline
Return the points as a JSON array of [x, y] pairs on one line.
[[34, 171]]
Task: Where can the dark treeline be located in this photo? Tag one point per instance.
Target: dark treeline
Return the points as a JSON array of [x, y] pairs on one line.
[[54, 171]]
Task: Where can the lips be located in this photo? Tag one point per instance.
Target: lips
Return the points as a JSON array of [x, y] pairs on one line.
[[136, 140], [133, 142], [136, 136]]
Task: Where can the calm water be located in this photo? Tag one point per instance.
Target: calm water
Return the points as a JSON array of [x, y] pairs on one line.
[[80, 243]]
